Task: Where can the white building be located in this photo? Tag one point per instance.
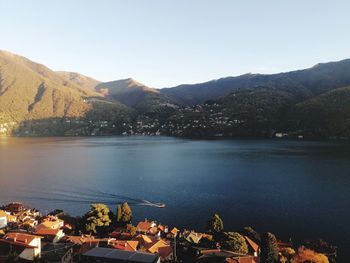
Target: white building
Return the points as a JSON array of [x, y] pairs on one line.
[[3, 219]]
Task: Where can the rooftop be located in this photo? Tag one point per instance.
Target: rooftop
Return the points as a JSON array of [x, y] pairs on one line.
[[123, 256]]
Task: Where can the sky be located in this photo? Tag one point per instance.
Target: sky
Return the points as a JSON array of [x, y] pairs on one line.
[[164, 43]]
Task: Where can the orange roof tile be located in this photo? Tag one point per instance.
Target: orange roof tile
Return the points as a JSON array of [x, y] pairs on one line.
[[174, 231], [153, 248], [252, 244], [144, 225], [47, 232], [164, 252], [20, 239]]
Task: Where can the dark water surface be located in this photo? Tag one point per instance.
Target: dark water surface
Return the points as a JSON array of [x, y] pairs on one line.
[[297, 189]]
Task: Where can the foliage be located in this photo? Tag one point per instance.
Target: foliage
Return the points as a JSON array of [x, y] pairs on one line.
[[131, 229], [215, 225], [252, 234], [269, 248], [97, 219], [124, 214], [286, 254], [235, 242], [308, 255], [321, 246]]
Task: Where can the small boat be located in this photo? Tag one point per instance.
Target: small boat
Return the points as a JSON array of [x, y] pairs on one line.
[[160, 205]]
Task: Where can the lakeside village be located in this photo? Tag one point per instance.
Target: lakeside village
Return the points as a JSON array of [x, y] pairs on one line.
[[103, 236], [191, 121]]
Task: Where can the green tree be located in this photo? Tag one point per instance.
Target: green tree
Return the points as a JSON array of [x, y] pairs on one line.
[[124, 214], [215, 225], [269, 248], [235, 242], [97, 219], [131, 229], [252, 234]]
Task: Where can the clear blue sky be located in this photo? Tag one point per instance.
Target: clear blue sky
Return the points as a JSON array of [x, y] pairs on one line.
[[163, 43]]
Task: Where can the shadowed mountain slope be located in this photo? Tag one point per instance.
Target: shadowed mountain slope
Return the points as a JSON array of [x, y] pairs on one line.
[[303, 84]]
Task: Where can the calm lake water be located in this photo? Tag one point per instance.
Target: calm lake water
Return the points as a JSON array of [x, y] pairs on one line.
[[297, 189]]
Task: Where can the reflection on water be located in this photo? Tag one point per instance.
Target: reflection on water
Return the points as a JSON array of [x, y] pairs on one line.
[[294, 188]]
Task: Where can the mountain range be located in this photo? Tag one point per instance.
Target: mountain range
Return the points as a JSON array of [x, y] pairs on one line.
[[313, 102]]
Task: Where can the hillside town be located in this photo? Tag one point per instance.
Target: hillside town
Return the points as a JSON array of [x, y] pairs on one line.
[[27, 235]]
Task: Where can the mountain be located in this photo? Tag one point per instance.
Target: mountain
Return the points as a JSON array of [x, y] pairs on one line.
[[35, 100], [30, 91], [79, 79], [303, 84], [135, 95], [325, 115]]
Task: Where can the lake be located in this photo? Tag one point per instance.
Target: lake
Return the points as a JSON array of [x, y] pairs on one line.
[[298, 189]]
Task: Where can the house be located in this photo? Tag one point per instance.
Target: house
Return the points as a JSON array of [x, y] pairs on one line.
[[144, 240], [28, 247], [50, 235], [173, 233], [129, 245], [120, 235], [162, 248], [3, 219], [193, 237], [51, 222], [145, 226], [101, 254], [16, 207], [62, 253], [217, 255], [85, 243], [30, 222], [254, 248], [11, 218]]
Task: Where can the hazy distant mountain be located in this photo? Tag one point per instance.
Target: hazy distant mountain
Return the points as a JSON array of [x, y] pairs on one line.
[[302, 83], [31, 91], [134, 94]]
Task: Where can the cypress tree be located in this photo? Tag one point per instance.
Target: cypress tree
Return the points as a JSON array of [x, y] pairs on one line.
[[269, 248]]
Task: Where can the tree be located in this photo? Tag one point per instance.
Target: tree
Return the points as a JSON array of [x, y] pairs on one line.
[[131, 229], [215, 224], [308, 255], [252, 234], [124, 214], [235, 242], [97, 219], [269, 248]]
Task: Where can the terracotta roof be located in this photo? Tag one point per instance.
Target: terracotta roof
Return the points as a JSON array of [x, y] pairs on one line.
[[153, 247], [164, 252], [49, 225], [133, 244], [19, 239], [252, 244], [47, 232], [79, 240], [124, 245], [120, 235], [144, 238], [144, 225], [174, 231]]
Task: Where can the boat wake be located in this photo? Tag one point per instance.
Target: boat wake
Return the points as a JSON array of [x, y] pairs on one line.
[[84, 196]]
